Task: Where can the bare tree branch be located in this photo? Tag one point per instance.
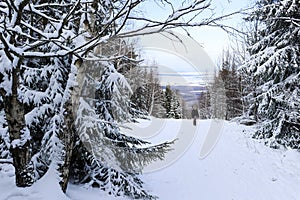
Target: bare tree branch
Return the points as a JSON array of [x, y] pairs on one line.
[[121, 15]]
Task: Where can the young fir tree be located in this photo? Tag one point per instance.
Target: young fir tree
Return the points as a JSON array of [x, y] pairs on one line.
[[168, 94], [218, 98], [172, 103], [177, 105], [273, 67], [204, 104]]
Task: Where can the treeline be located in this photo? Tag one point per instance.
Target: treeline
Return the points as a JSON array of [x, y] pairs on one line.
[[150, 97], [222, 98]]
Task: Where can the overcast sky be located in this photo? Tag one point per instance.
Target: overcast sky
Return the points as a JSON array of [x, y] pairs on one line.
[[174, 69], [214, 40]]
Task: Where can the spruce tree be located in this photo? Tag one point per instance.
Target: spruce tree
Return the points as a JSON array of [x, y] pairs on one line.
[[105, 157], [177, 105], [172, 103], [273, 67], [218, 98], [147, 91], [168, 94], [204, 104]]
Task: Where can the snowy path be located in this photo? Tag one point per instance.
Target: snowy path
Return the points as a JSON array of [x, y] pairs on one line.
[[237, 168]]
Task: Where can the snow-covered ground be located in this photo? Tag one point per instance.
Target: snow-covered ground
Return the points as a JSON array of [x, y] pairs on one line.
[[237, 167]]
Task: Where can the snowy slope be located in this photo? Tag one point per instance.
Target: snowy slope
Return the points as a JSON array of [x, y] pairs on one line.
[[237, 168]]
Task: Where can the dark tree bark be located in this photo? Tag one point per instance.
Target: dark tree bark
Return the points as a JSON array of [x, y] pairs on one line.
[[15, 115], [67, 137]]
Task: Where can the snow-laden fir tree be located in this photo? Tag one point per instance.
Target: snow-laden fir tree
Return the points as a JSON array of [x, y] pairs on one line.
[[172, 103], [218, 98], [108, 159], [204, 104], [273, 69], [36, 80], [176, 107], [167, 102]]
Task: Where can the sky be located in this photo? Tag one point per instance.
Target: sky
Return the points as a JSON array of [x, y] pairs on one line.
[[214, 40], [177, 69]]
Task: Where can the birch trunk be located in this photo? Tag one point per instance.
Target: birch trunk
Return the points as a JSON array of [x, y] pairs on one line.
[[67, 138], [20, 148]]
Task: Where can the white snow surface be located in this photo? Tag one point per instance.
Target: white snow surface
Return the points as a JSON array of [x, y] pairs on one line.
[[237, 168]]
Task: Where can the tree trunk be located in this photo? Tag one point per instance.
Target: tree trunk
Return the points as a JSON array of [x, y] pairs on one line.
[[67, 138], [21, 158], [20, 148]]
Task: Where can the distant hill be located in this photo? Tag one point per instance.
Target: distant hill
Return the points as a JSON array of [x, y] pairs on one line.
[[189, 93]]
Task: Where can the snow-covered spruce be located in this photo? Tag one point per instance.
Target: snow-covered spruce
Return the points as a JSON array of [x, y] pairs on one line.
[[172, 104], [273, 68], [106, 158]]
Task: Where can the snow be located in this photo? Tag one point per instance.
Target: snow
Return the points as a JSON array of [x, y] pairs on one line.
[[235, 166], [238, 167], [47, 188]]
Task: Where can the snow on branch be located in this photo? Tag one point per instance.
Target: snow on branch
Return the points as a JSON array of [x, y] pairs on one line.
[[6, 161]]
